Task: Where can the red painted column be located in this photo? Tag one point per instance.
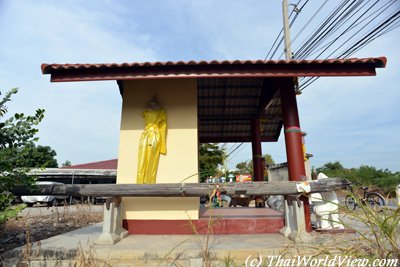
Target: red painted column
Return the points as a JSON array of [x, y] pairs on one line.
[[256, 148], [293, 138]]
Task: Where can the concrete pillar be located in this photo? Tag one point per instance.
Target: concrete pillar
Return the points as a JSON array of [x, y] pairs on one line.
[[300, 233], [295, 227], [108, 236], [119, 230], [289, 223]]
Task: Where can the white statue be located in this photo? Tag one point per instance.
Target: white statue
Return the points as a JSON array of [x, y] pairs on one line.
[[398, 195], [326, 208]]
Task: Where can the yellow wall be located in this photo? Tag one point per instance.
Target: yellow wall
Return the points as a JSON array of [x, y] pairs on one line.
[[179, 99]]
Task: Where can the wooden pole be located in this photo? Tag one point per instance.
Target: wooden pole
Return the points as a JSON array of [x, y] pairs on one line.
[[256, 149], [286, 30], [182, 190], [293, 139]]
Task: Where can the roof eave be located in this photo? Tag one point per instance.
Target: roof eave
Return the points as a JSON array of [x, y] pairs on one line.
[[234, 69]]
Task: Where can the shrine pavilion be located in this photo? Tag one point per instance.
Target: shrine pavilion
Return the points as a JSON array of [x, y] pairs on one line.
[[208, 102]]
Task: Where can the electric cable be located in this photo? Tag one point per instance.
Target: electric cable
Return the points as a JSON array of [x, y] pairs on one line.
[[351, 18]]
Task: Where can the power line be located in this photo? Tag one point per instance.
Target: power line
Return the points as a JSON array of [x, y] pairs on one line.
[[345, 31], [309, 21], [354, 25], [314, 34], [370, 36], [237, 152], [328, 28], [340, 22], [234, 149], [359, 30], [352, 19]]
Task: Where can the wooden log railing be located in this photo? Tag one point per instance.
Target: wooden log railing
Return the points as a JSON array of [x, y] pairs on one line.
[[185, 189]]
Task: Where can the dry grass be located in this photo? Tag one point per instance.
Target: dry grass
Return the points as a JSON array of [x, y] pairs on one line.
[[376, 236], [89, 258], [32, 228], [378, 230]]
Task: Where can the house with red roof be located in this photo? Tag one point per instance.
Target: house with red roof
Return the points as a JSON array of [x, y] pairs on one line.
[[99, 172]]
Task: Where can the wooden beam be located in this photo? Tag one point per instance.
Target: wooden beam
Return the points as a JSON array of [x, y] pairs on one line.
[[202, 97], [268, 92], [224, 106], [219, 117], [278, 130], [233, 139], [182, 190], [256, 150], [237, 122]]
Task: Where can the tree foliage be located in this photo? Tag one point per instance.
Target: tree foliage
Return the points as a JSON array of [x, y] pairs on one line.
[[363, 175], [19, 129], [15, 132], [246, 167], [66, 163], [210, 157], [29, 155]]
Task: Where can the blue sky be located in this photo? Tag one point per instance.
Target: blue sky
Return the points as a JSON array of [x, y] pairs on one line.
[[351, 119]]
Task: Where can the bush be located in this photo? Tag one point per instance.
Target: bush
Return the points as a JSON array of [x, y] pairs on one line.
[[15, 132]]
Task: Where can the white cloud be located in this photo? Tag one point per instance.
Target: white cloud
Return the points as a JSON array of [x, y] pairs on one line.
[[49, 32]]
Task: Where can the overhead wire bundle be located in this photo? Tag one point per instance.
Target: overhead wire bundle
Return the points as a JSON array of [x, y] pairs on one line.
[[349, 27]]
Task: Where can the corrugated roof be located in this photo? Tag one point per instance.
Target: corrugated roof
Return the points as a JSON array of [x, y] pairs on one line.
[[378, 62], [98, 165], [226, 108], [214, 68], [231, 93], [77, 172]]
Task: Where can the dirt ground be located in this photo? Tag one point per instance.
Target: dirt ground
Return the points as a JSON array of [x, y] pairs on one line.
[[33, 226]]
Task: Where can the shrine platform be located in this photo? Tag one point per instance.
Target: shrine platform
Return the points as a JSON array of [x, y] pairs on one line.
[[218, 221]]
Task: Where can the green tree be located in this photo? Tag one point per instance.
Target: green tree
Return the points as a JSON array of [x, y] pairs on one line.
[[66, 163], [246, 167], [210, 157], [29, 155], [331, 168], [363, 175], [15, 132], [269, 160]]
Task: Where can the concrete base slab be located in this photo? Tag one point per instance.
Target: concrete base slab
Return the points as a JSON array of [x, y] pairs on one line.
[[335, 231], [78, 246], [285, 231], [122, 232], [107, 239], [301, 237], [147, 249]]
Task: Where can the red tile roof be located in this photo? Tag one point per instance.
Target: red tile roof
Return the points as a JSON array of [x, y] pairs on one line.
[[98, 165], [213, 69], [48, 68]]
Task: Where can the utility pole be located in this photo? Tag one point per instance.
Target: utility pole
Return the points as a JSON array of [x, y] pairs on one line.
[[286, 30]]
